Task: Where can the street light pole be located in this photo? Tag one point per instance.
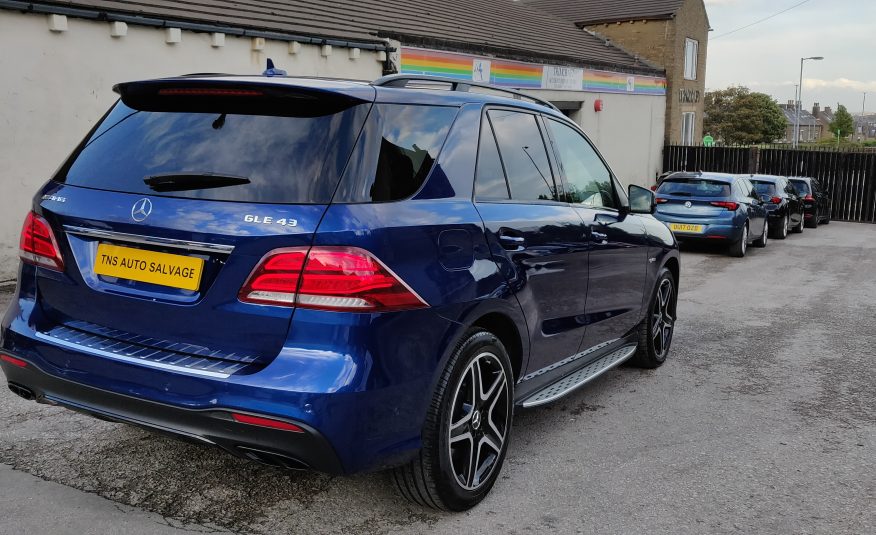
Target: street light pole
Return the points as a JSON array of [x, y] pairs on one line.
[[798, 107]]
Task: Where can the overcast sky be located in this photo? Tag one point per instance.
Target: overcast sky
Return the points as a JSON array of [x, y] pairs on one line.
[[766, 57]]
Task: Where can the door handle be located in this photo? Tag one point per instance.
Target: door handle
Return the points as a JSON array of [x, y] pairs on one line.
[[511, 242], [599, 236]]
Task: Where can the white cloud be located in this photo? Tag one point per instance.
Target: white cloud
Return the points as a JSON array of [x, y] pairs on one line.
[[840, 83]]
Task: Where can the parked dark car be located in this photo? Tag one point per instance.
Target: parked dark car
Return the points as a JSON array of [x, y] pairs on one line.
[[338, 276], [713, 206], [816, 201], [785, 206]]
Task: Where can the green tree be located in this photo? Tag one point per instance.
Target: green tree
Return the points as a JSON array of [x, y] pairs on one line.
[[736, 115], [842, 121]]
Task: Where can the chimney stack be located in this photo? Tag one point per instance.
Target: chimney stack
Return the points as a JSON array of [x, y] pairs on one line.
[[816, 109], [827, 110]]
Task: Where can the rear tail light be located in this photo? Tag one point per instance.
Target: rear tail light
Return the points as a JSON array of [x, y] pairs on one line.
[[661, 200], [776, 200], [654, 188], [732, 206], [809, 198], [265, 422], [328, 278], [38, 245]]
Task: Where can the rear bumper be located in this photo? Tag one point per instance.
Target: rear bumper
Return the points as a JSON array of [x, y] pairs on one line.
[[295, 450], [717, 230], [358, 387]]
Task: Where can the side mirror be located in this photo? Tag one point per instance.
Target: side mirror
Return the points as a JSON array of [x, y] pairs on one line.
[[642, 200]]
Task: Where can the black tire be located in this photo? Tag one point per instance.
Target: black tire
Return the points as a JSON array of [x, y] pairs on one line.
[[799, 228], [740, 246], [654, 347], [785, 227], [826, 220], [764, 238], [431, 479]]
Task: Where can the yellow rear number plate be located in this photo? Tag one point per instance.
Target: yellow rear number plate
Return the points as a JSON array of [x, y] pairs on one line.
[[681, 227], [172, 270]]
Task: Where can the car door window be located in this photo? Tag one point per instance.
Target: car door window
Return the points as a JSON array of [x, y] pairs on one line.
[[490, 182], [523, 155], [588, 180]]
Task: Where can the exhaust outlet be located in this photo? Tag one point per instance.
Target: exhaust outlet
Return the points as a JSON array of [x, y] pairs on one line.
[[22, 391]]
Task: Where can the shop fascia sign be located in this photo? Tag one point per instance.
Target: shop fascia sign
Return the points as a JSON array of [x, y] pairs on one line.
[[522, 75]]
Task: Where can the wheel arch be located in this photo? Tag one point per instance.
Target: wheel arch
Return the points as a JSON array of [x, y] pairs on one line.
[[504, 328]]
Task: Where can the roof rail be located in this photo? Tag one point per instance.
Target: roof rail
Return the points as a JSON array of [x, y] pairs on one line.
[[401, 80]]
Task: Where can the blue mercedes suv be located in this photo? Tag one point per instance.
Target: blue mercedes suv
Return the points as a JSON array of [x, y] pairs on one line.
[[334, 275]]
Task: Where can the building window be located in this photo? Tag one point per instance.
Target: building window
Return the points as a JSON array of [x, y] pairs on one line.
[[691, 47], [688, 120]]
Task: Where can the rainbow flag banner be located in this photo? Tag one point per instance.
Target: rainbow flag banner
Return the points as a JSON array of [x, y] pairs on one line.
[[521, 75], [615, 82]]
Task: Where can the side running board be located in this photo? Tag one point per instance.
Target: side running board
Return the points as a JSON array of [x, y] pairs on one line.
[[580, 377]]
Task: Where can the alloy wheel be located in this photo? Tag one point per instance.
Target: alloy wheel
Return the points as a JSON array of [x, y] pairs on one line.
[[662, 320], [479, 421], [744, 239]]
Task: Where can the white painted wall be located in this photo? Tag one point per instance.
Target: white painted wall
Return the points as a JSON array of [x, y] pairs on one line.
[[628, 132], [55, 85]]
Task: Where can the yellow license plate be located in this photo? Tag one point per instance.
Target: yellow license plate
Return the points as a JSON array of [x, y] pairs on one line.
[[172, 270], [682, 227]]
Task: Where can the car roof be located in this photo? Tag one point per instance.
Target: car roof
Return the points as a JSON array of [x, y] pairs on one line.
[[362, 90], [718, 177], [806, 179]]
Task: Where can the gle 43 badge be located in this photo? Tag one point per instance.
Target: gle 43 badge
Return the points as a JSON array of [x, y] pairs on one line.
[[268, 220]]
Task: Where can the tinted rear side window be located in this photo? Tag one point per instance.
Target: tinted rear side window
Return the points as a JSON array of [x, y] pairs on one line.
[[694, 187], [490, 180], [764, 188], [802, 187], [285, 159], [523, 155], [397, 149]]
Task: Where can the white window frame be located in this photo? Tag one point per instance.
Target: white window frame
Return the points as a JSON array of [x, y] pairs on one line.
[[691, 56], [688, 127]]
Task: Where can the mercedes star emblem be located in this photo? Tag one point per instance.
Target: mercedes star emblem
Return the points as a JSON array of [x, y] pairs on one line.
[[687, 204], [141, 210]]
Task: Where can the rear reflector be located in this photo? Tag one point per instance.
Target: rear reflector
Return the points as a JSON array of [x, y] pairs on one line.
[[328, 278], [265, 422], [38, 245], [732, 206], [14, 361], [214, 92]]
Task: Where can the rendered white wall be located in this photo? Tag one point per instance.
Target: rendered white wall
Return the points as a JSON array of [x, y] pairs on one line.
[[628, 132], [54, 85]]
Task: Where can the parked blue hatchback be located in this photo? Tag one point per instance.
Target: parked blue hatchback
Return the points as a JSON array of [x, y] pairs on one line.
[[336, 276], [716, 207]]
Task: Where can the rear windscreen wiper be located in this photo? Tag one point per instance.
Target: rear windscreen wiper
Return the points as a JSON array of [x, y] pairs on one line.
[[192, 181]]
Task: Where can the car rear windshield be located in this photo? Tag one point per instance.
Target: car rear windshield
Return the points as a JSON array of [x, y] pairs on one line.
[[802, 187], [220, 156], [764, 188], [694, 187]]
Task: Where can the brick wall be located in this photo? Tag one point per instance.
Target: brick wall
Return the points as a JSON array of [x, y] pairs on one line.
[[663, 42]]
